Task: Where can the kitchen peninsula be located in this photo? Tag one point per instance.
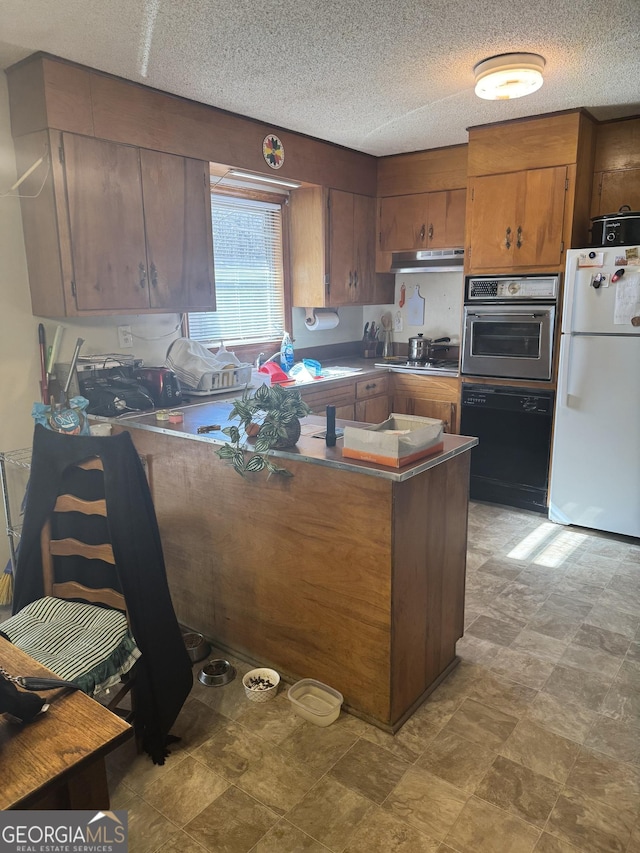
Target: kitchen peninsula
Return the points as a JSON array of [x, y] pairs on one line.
[[348, 572]]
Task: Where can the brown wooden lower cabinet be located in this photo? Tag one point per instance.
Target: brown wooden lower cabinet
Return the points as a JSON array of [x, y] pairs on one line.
[[353, 579], [365, 400], [446, 412], [372, 398], [428, 397], [375, 410], [341, 394]]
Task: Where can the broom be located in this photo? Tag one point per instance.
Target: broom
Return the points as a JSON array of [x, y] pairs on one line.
[[6, 585]]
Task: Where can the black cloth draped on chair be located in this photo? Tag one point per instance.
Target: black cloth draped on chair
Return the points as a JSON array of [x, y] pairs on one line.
[[163, 673]]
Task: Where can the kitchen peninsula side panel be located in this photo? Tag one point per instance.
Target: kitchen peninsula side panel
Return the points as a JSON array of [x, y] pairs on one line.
[[352, 579]]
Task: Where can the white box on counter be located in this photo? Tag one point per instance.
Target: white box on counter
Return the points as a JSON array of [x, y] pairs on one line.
[[398, 441]]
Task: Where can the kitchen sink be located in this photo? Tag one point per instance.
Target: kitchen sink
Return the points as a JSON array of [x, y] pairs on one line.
[[339, 372]]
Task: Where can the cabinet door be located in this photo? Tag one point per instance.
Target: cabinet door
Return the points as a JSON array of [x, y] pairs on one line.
[[375, 410], [616, 189], [540, 199], [517, 219], [364, 249], [177, 209], [446, 219], [309, 247], [436, 409], [493, 220], [341, 266], [402, 405], [345, 413], [106, 223], [404, 222]]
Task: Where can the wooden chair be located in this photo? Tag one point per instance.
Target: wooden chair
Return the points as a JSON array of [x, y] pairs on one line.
[[79, 631]]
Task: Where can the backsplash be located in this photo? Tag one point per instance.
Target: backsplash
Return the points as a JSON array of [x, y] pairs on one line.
[[442, 294]]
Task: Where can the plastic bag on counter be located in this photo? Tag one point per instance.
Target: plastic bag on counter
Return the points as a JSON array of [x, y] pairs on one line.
[[69, 418], [196, 367]]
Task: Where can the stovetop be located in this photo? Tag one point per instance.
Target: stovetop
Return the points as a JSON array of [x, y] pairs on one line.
[[439, 366]]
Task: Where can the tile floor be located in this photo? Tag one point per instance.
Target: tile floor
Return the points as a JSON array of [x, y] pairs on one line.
[[532, 744]]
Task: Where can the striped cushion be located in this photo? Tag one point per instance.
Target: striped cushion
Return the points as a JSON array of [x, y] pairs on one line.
[[88, 645]]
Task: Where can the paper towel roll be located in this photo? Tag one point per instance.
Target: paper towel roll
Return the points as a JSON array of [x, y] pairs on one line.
[[320, 319]]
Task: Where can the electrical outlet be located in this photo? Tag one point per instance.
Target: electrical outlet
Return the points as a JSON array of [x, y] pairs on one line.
[[397, 322], [125, 338]]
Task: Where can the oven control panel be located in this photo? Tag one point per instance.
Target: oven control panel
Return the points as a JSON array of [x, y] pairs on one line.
[[486, 288]]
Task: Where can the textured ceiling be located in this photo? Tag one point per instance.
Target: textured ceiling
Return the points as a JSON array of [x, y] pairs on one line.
[[381, 77]]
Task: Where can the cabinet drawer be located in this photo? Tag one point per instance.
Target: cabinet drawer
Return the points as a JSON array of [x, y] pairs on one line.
[[331, 394], [372, 387]]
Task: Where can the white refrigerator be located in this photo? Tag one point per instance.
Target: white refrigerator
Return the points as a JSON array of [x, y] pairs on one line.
[[595, 460]]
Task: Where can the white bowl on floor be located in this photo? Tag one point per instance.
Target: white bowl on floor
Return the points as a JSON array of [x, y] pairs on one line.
[[254, 683]]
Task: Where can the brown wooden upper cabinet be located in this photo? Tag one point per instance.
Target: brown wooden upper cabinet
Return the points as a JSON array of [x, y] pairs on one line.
[[332, 248], [614, 189], [422, 221], [616, 167], [516, 219], [129, 230]]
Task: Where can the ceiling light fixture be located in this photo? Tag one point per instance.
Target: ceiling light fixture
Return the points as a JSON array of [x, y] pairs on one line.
[[278, 182], [509, 75]]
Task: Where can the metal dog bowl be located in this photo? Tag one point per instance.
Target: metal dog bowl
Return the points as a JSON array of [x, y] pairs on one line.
[[216, 673], [197, 647]]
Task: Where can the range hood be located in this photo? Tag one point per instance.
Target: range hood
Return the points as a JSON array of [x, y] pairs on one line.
[[428, 260]]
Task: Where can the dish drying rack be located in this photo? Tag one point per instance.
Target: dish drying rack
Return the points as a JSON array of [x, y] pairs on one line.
[[223, 381]]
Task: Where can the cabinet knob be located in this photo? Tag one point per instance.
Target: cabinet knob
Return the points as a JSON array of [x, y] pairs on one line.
[[519, 236], [369, 386], [355, 278], [143, 274], [507, 237], [431, 232], [350, 278], [154, 276], [422, 230]]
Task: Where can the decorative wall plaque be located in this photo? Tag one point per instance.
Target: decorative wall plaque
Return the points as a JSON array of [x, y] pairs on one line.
[[273, 151]]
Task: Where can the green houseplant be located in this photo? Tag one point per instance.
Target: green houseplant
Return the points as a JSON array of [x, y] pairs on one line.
[[271, 416]]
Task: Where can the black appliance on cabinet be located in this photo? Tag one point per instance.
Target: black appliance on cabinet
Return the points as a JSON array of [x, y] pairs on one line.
[[113, 391], [510, 465]]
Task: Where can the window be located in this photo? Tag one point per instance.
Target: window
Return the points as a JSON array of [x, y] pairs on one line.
[[247, 242]]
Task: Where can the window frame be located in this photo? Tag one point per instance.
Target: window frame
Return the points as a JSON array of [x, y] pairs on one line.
[[250, 352]]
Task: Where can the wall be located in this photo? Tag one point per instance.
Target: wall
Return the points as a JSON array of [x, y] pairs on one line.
[[18, 329]]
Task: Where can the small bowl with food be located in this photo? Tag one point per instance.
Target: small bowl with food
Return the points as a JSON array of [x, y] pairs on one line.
[[261, 684]]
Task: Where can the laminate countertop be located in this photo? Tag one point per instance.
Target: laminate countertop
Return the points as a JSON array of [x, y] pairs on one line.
[[310, 447]]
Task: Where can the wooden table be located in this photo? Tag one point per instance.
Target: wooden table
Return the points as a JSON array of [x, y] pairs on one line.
[[57, 761]]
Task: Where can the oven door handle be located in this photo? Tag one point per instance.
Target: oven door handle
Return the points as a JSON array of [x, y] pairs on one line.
[[513, 314]]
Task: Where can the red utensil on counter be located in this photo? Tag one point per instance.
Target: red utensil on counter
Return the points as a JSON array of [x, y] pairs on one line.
[[276, 373]]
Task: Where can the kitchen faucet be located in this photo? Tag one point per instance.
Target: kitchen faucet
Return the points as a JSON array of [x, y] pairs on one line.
[[271, 358]]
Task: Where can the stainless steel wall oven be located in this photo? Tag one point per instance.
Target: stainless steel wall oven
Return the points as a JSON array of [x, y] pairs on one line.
[[508, 326]]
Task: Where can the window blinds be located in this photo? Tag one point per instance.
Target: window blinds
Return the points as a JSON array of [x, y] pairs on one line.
[[247, 249]]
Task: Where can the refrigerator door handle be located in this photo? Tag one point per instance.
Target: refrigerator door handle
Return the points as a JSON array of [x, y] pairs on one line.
[[565, 367]]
